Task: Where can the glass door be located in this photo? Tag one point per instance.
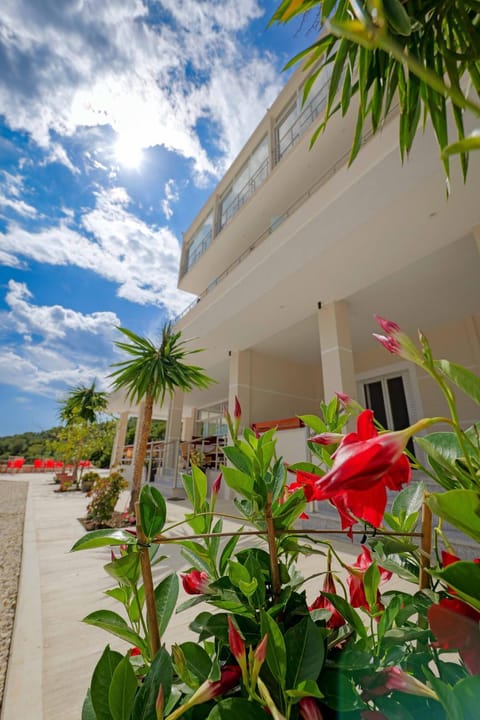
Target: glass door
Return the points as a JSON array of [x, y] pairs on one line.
[[387, 397]]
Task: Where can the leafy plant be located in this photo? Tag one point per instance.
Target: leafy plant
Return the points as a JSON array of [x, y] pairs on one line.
[[104, 496], [361, 649]]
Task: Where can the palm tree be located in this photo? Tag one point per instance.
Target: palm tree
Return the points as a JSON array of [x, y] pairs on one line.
[[83, 403], [81, 406], [150, 372]]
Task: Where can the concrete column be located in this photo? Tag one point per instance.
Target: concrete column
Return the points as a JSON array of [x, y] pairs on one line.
[[119, 440], [240, 383], [336, 350], [174, 427], [188, 427]]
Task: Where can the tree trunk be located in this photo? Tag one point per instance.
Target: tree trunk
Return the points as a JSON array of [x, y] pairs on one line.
[[140, 455]]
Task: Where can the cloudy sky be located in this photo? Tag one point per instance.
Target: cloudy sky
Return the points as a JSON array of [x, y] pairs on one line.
[[117, 118]]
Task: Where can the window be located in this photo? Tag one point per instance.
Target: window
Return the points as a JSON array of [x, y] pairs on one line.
[[246, 182], [297, 117], [210, 421], [200, 241]]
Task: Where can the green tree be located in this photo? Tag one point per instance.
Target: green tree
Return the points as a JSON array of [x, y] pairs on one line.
[[418, 54], [152, 371], [84, 403]]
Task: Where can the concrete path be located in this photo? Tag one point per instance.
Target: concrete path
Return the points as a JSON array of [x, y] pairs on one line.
[[53, 652]]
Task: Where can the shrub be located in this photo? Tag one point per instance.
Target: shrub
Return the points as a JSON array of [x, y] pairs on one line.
[[105, 493]]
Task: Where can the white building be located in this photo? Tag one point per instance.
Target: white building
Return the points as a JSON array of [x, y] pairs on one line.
[[295, 251]]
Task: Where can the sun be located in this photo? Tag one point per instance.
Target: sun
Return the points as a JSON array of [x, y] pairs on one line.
[[128, 152]]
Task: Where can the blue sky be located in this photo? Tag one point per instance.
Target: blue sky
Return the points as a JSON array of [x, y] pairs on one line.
[[117, 120]]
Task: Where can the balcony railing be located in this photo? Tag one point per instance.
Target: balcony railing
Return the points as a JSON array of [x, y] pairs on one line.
[[311, 111], [191, 258], [242, 196]]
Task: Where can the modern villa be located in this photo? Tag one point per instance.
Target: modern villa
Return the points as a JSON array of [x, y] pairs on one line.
[[293, 254]]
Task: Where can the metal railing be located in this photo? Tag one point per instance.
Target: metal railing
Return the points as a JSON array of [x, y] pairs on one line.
[[244, 193], [191, 259], [311, 111]]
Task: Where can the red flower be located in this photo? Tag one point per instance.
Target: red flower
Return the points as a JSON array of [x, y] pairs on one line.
[[394, 678], [195, 582], [135, 651], [237, 409], [322, 603], [355, 580], [217, 484], [229, 677], [365, 464], [456, 627]]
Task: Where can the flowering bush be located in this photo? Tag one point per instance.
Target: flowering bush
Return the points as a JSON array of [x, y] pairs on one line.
[[360, 650], [105, 493]]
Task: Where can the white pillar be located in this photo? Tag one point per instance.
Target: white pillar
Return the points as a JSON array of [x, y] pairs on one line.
[[240, 384], [174, 427], [119, 440], [336, 350], [188, 427]]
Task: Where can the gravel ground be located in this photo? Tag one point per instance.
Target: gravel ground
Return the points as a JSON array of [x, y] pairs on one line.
[[13, 497]]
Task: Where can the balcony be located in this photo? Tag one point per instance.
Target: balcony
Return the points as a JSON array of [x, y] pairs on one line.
[[235, 203]]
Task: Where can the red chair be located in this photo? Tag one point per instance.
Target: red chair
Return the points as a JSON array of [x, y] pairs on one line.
[[38, 464], [84, 463], [18, 463], [10, 465], [58, 465], [49, 464]]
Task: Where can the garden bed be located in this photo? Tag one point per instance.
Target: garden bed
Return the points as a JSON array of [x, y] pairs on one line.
[[118, 520]]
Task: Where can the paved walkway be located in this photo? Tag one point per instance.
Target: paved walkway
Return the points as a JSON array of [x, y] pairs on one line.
[[53, 652]]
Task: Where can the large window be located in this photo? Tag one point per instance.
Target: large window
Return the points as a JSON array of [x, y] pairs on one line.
[[250, 177], [200, 241], [388, 397], [297, 117], [210, 421]]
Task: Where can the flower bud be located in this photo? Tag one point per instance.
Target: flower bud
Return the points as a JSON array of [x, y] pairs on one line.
[[309, 709]]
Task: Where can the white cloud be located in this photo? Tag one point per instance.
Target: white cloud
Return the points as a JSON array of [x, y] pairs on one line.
[[58, 154], [46, 349], [112, 242], [72, 64], [11, 190], [172, 195]]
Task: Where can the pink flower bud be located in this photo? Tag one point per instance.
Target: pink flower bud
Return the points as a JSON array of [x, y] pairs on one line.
[[159, 703], [389, 343], [216, 484], [235, 640], [388, 326], [261, 651], [398, 679], [327, 438], [309, 709], [237, 412], [344, 398], [229, 677], [195, 582]]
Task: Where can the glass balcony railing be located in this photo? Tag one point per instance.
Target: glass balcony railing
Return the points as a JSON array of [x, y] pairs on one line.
[[236, 202], [312, 110]]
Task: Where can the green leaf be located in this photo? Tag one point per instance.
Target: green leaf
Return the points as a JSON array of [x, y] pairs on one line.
[[115, 624], [153, 511], [471, 142], [238, 481], [371, 581], [196, 488], [101, 679], [464, 577], [123, 687], [101, 538], [160, 673], [313, 422], [198, 661], [88, 713], [304, 644], [238, 573], [461, 508], [166, 596], [345, 609], [397, 16], [237, 709], [340, 691], [227, 552], [409, 500], [126, 569], [307, 467], [306, 688], [464, 379], [276, 651], [467, 693], [239, 459]]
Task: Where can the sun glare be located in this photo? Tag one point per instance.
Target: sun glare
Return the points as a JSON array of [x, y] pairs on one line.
[[128, 153]]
